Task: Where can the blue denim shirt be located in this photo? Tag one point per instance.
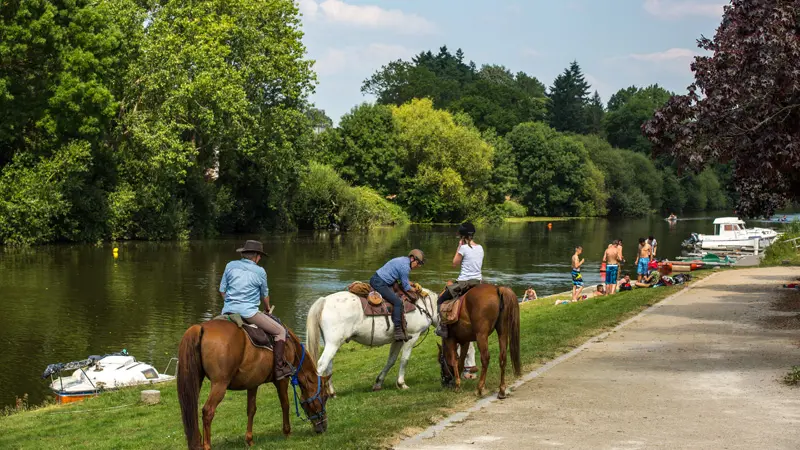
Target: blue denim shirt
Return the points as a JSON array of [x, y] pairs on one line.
[[396, 269], [244, 284]]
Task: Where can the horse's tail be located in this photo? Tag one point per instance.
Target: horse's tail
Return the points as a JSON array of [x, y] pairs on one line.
[[190, 377], [511, 324], [313, 322]]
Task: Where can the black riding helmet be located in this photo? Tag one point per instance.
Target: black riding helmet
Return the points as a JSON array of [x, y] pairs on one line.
[[467, 229]]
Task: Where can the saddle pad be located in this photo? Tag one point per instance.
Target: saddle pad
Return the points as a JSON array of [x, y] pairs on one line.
[[258, 337], [451, 310], [384, 309]]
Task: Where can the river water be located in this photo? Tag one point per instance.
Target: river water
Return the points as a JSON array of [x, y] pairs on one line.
[[65, 302]]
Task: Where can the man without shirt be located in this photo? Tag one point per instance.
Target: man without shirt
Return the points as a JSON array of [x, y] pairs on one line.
[[612, 258], [643, 259], [577, 278]]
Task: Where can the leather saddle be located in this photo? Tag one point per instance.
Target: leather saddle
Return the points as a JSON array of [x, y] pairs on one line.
[[375, 305], [258, 337]]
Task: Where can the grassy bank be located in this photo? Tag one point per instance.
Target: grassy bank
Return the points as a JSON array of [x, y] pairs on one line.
[[539, 219], [781, 251], [358, 418]]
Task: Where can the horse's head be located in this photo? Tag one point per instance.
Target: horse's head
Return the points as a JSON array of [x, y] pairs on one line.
[[313, 392], [446, 371]]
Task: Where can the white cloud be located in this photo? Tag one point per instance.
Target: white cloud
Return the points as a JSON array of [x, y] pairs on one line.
[[674, 9], [366, 16], [370, 57], [530, 52], [673, 55]]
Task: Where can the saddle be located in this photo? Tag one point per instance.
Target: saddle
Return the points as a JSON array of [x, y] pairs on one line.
[[258, 337], [375, 305]]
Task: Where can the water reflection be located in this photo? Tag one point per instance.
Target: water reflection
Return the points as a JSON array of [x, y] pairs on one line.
[[64, 302]]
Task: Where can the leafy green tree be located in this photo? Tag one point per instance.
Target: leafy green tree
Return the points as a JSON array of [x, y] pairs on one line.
[[633, 107], [447, 164], [365, 148], [621, 97], [569, 96], [503, 182], [594, 114], [556, 176]]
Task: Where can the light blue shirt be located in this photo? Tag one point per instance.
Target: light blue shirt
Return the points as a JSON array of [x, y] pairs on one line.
[[244, 284], [396, 269]]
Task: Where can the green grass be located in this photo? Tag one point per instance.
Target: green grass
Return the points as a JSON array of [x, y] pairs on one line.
[[358, 418], [781, 251], [539, 219], [793, 377]]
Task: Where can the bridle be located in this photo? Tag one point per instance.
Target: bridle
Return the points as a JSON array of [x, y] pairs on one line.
[[428, 305], [319, 417]]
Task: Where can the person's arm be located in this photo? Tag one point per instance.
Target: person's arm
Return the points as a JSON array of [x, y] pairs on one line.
[[265, 291], [458, 256], [223, 284], [580, 263], [404, 278], [534, 295]]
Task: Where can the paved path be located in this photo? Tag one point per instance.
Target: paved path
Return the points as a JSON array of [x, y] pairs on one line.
[[701, 370]]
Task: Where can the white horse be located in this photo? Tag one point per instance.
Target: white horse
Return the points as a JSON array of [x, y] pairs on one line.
[[339, 318]]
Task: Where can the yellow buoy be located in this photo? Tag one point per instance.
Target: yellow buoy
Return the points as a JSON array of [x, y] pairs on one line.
[[115, 252]]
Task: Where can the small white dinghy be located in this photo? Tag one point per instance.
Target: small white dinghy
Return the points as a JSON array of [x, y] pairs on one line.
[[101, 373]]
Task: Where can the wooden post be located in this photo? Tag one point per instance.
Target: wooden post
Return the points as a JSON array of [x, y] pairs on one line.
[[151, 397], [755, 246]]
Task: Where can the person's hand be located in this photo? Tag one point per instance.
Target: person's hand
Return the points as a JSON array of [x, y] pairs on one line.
[[417, 287]]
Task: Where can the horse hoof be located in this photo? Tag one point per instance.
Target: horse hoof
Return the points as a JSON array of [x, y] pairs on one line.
[[457, 389], [376, 387], [479, 393], [501, 394], [402, 386]]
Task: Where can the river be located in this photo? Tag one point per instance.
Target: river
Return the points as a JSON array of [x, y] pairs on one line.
[[65, 302]]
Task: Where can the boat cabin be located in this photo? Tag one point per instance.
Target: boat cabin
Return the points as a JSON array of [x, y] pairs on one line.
[[730, 226]]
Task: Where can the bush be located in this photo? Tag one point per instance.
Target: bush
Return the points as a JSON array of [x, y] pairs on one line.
[[781, 250], [514, 209], [324, 199]]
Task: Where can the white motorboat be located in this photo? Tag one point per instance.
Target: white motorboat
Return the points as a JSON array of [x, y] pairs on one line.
[[101, 373], [730, 233]]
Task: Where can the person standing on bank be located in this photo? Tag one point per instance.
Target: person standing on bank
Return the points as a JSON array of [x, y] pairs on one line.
[[395, 270], [244, 287], [469, 255], [577, 277]]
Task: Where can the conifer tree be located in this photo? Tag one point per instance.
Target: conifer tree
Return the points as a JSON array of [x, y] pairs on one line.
[[568, 99]]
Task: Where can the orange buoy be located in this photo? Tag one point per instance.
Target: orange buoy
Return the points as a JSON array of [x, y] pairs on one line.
[[549, 225]]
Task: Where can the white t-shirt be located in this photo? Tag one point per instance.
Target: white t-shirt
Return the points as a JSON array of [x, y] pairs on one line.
[[471, 262]]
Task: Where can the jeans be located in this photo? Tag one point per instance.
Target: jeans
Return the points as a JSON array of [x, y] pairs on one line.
[[388, 294]]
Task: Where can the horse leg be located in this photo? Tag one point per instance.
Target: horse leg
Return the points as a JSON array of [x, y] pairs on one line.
[[283, 395], [404, 357], [452, 361], [325, 364], [216, 395], [251, 412], [503, 338], [483, 347], [394, 350], [462, 356]]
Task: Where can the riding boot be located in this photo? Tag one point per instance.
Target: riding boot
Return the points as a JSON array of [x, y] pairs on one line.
[[281, 369], [399, 334]]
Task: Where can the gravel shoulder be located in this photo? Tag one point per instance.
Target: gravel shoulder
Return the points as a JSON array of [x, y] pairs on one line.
[[701, 370]]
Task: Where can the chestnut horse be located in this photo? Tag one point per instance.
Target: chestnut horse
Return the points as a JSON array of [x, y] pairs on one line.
[[486, 308], [220, 351]]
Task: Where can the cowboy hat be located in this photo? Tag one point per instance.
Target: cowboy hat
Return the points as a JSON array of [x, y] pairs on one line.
[[252, 246]]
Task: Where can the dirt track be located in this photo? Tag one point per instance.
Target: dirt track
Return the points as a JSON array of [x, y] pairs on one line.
[[700, 370]]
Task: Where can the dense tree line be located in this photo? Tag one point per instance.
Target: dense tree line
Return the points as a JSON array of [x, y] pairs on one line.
[[122, 119]]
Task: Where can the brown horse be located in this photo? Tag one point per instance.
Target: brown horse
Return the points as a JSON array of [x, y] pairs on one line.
[[486, 308], [220, 351]]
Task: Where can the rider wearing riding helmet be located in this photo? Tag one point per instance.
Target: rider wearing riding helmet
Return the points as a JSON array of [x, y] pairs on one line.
[[469, 255], [395, 270]]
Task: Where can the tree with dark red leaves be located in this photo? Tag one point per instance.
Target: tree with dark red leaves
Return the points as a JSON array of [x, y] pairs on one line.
[[744, 106]]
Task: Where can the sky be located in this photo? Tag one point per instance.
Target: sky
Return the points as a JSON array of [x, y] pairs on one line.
[[618, 43]]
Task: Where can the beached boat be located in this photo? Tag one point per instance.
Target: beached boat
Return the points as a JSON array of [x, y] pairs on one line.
[[731, 233], [101, 373]]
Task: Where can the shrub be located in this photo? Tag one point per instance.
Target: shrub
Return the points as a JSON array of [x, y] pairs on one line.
[[514, 209], [324, 199]]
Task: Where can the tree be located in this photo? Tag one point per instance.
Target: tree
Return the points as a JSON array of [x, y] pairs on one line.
[[556, 176], [594, 114], [365, 149], [568, 98], [744, 105], [620, 97], [633, 107]]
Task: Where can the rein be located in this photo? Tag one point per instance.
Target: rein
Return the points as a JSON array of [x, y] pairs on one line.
[[423, 311], [296, 382]]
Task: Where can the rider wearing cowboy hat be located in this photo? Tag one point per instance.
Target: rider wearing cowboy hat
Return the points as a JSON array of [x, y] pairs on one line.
[[244, 286], [395, 270]]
